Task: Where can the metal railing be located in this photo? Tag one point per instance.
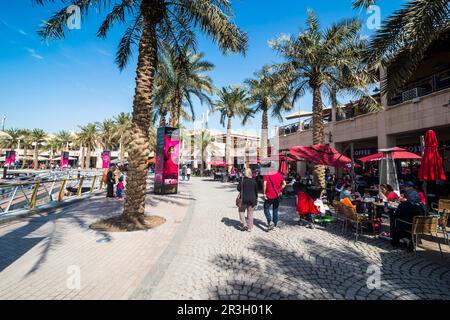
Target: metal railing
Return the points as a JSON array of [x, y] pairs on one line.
[[17, 196]]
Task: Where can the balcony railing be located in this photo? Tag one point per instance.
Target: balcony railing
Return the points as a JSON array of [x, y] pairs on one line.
[[422, 87]]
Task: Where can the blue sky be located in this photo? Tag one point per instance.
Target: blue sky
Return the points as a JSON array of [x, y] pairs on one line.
[[62, 84]]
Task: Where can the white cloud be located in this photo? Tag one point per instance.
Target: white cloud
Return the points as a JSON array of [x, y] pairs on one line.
[[33, 54]]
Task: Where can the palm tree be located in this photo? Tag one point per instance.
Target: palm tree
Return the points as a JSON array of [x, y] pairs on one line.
[[37, 136], [54, 145], [150, 23], [314, 59], [88, 138], [65, 138], [26, 143], [152, 139], [181, 76], [404, 38], [107, 130], [267, 93], [12, 141], [232, 102], [123, 132]]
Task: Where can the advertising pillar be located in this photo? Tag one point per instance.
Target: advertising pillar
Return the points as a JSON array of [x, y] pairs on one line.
[[167, 159]]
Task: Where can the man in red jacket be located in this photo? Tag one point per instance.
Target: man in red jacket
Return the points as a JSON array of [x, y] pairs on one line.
[[272, 188]]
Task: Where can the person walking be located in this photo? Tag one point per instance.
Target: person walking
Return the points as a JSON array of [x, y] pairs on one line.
[[248, 196], [272, 188], [110, 181], [188, 173], [183, 173]]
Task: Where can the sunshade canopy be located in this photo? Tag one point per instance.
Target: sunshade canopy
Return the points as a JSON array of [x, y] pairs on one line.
[[321, 154], [397, 153]]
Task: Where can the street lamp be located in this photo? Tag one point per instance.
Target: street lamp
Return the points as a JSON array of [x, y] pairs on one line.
[[3, 122]]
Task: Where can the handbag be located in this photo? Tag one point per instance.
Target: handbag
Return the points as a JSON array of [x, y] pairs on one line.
[[239, 197], [271, 182]]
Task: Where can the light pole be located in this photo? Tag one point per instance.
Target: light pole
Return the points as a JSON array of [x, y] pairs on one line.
[[3, 122]]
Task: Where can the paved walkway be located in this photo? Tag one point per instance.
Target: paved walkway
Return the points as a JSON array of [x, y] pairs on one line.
[[217, 261], [40, 256], [200, 254]]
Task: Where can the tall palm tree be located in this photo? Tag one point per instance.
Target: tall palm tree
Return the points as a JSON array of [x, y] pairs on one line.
[[54, 145], [232, 102], [267, 94], [150, 23], [65, 138], [313, 59], [405, 36], [107, 133], [88, 138], [12, 140], [123, 132], [26, 143], [181, 76], [206, 143], [38, 137]]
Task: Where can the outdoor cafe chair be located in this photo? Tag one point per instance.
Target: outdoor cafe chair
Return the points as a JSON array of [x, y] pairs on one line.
[[443, 209], [339, 213], [422, 225], [352, 216]]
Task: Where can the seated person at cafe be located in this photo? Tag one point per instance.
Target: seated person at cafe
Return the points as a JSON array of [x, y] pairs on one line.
[[410, 206], [421, 194], [305, 202], [391, 194], [346, 192]]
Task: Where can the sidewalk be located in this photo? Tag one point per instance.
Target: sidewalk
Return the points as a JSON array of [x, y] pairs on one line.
[[40, 256]]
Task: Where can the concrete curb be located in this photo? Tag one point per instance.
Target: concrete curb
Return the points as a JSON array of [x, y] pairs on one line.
[[17, 215], [156, 273]]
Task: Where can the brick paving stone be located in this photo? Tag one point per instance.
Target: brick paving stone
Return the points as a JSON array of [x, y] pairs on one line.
[[45, 246]]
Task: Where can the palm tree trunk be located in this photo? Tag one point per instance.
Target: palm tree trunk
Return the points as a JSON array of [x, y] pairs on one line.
[[134, 206], [162, 116], [36, 157], [264, 134], [228, 145], [81, 158], [177, 103], [87, 161], [318, 133], [173, 114], [25, 155], [121, 153]]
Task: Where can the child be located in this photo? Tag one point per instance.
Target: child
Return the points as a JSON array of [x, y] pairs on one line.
[[120, 187]]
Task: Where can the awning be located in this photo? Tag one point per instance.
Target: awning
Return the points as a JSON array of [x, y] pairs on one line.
[[299, 115], [398, 154], [218, 163], [321, 154], [278, 157]]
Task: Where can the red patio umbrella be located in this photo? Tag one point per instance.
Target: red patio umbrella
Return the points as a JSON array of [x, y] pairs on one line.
[[321, 154], [398, 153], [431, 167], [283, 168], [278, 157]]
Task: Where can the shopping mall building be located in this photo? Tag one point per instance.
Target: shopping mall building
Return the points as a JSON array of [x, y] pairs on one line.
[[422, 104]]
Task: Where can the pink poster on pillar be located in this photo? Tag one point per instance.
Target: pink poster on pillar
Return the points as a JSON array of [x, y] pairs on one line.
[[10, 158], [64, 163], [106, 158]]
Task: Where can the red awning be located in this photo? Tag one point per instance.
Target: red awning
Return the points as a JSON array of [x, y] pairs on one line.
[[431, 167], [398, 153], [321, 154], [278, 157], [218, 163]]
